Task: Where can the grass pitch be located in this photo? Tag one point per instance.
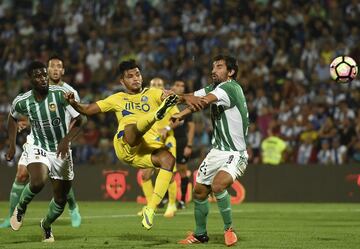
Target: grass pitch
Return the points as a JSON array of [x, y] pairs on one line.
[[258, 225]]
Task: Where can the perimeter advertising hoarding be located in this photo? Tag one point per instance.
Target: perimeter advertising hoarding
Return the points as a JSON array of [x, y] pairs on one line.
[[261, 183]]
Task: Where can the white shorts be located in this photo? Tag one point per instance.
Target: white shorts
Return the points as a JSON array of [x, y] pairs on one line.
[[60, 169], [232, 162]]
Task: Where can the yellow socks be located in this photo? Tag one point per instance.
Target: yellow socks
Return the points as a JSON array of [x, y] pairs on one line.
[[148, 189], [172, 193], [145, 122], [161, 186]]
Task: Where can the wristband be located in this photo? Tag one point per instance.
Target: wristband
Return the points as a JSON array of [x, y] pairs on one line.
[[168, 128], [188, 145]]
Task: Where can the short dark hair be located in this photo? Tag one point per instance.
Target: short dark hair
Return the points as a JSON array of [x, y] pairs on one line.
[[56, 57], [33, 66], [127, 65], [230, 62]]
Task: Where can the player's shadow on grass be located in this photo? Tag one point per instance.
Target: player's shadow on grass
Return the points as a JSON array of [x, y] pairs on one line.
[[38, 237], [153, 241]]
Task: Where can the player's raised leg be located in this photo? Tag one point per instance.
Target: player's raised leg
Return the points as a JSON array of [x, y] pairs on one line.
[[201, 211], [162, 159], [38, 174], [56, 207], [17, 188], [133, 133], [222, 181]]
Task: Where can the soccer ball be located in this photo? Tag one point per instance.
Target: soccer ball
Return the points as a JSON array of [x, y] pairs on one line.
[[343, 69]]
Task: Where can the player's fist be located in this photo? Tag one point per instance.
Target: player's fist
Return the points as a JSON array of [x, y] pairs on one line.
[[70, 97], [10, 153], [63, 148], [22, 125], [194, 103], [175, 118]]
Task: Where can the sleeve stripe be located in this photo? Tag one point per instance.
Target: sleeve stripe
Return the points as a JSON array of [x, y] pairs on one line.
[[21, 97]]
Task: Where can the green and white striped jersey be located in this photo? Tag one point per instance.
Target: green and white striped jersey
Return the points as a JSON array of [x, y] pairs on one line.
[[229, 116], [47, 117], [67, 88]]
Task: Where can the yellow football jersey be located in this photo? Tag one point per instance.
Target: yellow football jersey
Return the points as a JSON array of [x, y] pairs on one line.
[[129, 107]]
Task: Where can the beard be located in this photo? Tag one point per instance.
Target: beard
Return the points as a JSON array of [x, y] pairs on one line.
[[216, 80], [43, 90]]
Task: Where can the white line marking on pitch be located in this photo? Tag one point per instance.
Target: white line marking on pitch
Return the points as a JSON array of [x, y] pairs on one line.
[[191, 213]]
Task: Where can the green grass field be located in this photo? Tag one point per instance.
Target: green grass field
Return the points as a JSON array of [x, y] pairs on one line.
[[260, 225]]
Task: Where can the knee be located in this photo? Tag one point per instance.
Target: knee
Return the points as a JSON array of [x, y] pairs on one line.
[[36, 186], [167, 161], [217, 187], [60, 200], [146, 175], [22, 176], [199, 195]]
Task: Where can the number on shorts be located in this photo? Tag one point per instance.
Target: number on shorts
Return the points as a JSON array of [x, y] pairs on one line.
[[203, 168], [39, 152], [230, 159]]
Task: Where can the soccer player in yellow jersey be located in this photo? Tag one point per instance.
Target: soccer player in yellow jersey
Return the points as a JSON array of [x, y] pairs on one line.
[[166, 135], [137, 110]]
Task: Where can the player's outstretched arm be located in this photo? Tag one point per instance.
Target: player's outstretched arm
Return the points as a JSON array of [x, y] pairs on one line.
[[204, 102], [12, 131], [86, 109], [77, 124]]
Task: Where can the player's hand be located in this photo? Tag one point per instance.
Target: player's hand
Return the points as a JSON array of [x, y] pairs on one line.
[[10, 153], [163, 133], [22, 125], [187, 151], [175, 118], [70, 97], [63, 148], [194, 103]]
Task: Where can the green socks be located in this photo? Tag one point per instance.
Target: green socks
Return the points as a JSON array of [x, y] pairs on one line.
[[25, 198], [223, 202], [15, 194], [71, 199], [201, 211], [55, 210]]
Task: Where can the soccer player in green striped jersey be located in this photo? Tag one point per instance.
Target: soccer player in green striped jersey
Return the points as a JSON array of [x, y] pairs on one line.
[[227, 160], [48, 153], [56, 71]]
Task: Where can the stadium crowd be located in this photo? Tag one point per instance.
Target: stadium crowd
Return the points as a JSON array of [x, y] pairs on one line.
[[284, 49]]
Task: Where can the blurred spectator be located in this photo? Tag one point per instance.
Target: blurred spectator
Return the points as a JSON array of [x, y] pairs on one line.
[[254, 142], [324, 154], [272, 150], [306, 153], [338, 152], [283, 48]]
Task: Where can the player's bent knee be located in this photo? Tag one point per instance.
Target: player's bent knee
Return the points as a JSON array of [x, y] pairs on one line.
[[163, 159], [37, 186], [21, 178], [146, 174], [199, 194], [217, 187], [61, 201]]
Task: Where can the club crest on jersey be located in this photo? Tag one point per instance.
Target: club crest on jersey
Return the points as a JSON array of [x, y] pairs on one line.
[[52, 107], [144, 99]]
